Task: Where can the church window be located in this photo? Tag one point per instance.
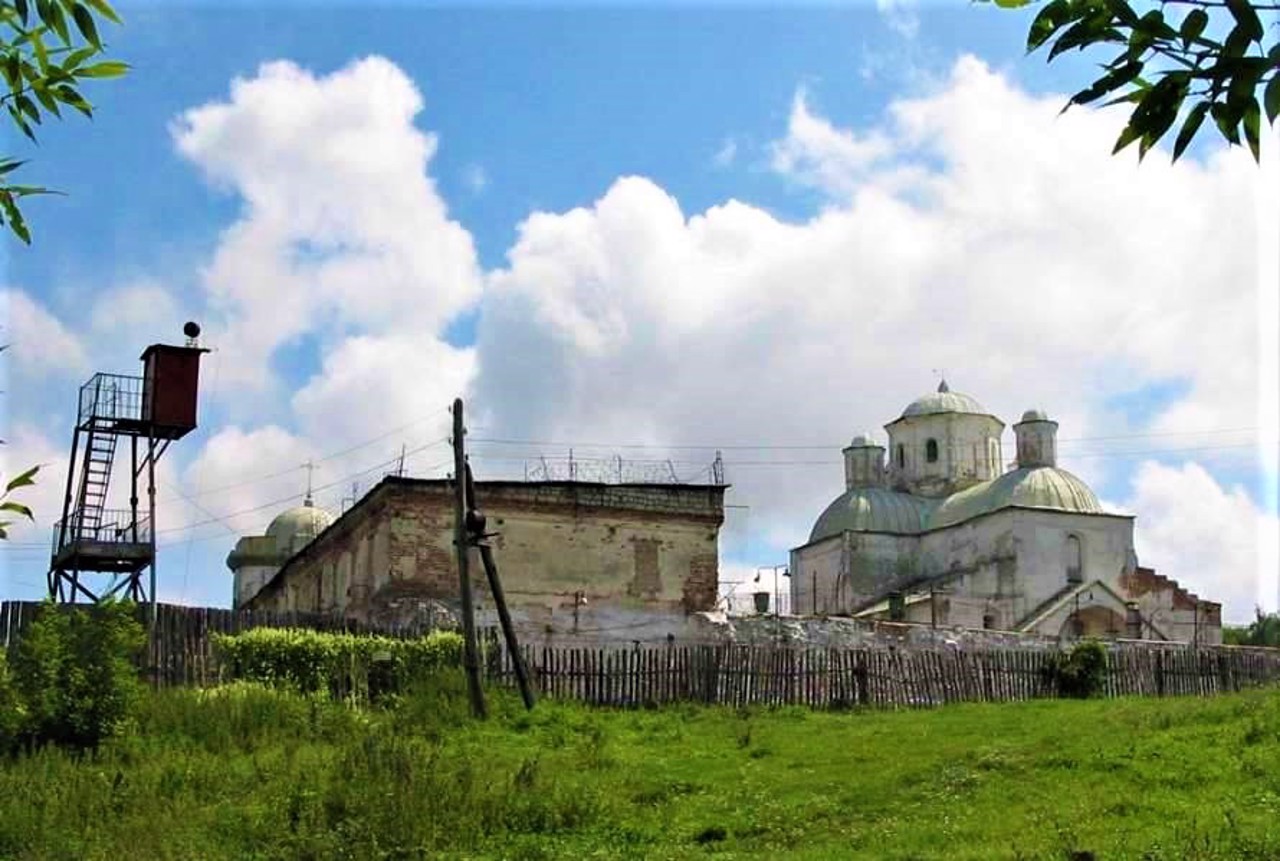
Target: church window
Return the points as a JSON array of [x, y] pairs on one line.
[[931, 451], [902, 456], [1075, 570]]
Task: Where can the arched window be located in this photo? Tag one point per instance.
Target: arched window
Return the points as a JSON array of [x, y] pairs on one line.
[[1075, 567], [931, 451], [902, 456]]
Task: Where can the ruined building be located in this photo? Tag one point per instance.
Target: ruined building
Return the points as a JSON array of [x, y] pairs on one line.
[[939, 533], [574, 556]]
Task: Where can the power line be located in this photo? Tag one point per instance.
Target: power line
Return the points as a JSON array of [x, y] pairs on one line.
[[806, 447]]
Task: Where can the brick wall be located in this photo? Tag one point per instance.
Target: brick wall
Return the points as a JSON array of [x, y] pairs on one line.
[[557, 545]]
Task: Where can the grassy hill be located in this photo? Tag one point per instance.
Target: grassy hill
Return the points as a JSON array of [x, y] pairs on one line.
[[242, 772]]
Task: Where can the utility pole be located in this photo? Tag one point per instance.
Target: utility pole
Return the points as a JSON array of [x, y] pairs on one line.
[[470, 657], [475, 523]]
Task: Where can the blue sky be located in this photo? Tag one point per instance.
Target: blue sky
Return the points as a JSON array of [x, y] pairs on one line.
[[535, 111]]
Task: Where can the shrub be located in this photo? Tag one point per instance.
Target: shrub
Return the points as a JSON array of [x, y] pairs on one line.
[[1080, 672], [74, 676], [344, 665]]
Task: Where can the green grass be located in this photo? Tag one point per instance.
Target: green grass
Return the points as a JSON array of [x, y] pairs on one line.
[[249, 773]]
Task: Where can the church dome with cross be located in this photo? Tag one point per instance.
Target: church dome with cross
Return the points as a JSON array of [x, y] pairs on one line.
[[943, 401], [297, 527]]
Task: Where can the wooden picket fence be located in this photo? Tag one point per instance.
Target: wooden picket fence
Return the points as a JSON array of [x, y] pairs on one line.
[[739, 675], [730, 674], [182, 653]]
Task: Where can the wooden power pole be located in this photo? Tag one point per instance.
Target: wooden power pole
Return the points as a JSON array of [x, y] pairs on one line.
[[470, 656], [475, 523]]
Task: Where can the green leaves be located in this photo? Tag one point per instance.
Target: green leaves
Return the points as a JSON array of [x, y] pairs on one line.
[[41, 76], [314, 661], [106, 69], [1271, 98], [25, 479], [1170, 70], [1192, 26]]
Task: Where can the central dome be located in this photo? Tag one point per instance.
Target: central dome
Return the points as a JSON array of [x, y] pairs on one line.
[[943, 401], [295, 528]]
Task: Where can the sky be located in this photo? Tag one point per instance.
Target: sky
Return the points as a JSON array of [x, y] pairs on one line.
[[643, 232]]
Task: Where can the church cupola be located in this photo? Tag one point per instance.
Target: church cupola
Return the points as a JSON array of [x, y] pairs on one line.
[[864, 463], [1037, 440]]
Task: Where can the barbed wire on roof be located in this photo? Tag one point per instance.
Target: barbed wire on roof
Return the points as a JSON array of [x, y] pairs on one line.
[[620, 470]]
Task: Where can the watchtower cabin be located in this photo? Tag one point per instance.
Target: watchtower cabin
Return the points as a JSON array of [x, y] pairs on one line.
[[101, 551]]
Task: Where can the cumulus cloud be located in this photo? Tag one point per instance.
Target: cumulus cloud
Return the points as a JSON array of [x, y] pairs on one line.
[[342, 227], [1212, 540], [973, 230], [816, 153], [38, 343]]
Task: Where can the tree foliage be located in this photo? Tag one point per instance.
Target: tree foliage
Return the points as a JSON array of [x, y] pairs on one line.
[[1264, 630], [47, 48], [1215, 58], [74, 678]]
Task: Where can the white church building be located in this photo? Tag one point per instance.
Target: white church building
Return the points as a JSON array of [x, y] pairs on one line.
[[939, 533]]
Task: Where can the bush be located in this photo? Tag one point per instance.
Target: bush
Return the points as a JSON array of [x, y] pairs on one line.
[[1080, 672], [344, 665], [74, 676]]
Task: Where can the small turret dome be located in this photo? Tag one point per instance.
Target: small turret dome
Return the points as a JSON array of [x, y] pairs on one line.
[[943, 401], [871, 509], [297, 527], [864, 440], [1035, 416]]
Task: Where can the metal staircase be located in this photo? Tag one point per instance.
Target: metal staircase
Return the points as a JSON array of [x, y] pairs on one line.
[[91, 501]]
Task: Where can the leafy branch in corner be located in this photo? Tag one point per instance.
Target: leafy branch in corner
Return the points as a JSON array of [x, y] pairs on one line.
[[8, 506], [1213, 57], [43, 58]]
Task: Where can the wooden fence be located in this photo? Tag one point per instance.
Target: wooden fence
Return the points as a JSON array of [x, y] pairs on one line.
[[737, 675]]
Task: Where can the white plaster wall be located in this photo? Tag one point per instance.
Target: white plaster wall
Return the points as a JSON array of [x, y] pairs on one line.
[[249, 580], [815, 570], [1106, 544]]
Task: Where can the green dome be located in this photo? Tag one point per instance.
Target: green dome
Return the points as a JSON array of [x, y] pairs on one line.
[[295, 528], [871, 509], [1029, 487], [943, 401]]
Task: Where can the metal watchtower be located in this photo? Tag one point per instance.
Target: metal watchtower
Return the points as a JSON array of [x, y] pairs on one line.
[[92, 541]]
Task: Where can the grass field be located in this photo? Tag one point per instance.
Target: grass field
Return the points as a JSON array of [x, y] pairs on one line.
[[243, 772]]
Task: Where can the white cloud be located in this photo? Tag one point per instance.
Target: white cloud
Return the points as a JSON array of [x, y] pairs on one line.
[[145, 309], [972, 229], [725, 156], [397, 378], [901, 16], [1214, 541], [38, 343], [816, 153], [342, 226]]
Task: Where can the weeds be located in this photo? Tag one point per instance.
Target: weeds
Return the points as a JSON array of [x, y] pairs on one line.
[[248, 770]]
